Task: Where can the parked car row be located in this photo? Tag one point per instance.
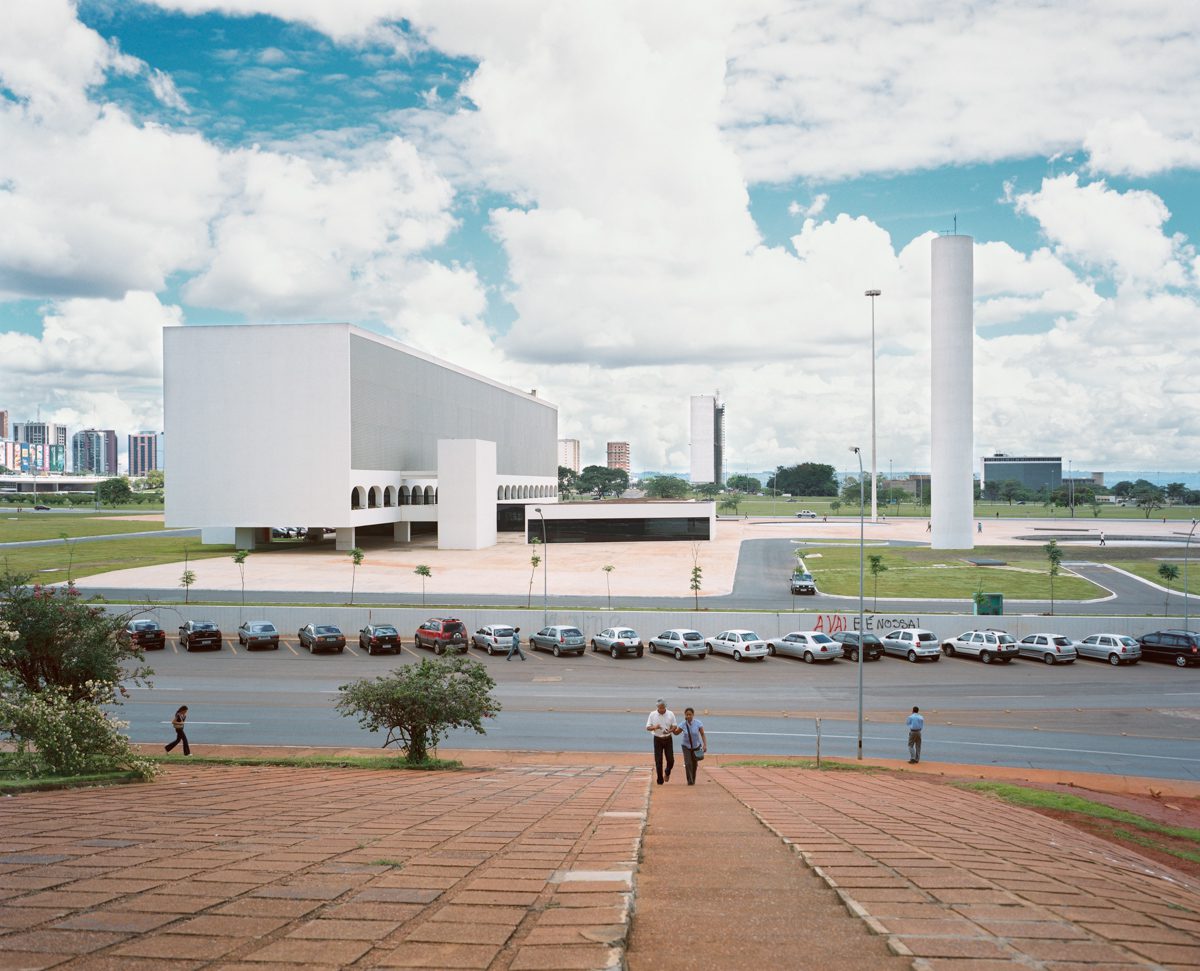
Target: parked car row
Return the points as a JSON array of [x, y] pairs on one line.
[[449, 635]]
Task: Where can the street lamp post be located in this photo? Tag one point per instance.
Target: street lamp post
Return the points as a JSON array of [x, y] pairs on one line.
[[1186, 545], [874, 471], [545, 569], [861, 611]]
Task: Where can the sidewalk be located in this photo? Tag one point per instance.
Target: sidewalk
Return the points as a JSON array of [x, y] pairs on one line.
[[553, 863]]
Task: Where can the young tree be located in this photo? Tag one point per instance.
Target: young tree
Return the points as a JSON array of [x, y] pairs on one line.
[[835, 506], [608, 568], [424, 573], [240, 559], [356, 556], [877, 567], [697, 575], [70, 555], [1169, 573], [534, 562], [186, 579], [1054, 556], [418, 704], [1149, 498]]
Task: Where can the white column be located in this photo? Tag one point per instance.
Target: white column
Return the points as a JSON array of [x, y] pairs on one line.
[[466, 494], [951, 398], [344, 540], [243, 537], [402, 532]]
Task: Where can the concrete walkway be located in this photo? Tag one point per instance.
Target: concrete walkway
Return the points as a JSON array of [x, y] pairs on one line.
[[535, 865]]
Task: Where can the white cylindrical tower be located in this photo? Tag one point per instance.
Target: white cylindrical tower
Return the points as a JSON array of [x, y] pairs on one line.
[[951, 399]]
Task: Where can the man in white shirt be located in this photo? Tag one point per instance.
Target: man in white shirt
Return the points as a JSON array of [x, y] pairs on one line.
[[916, 725], [663, 725]]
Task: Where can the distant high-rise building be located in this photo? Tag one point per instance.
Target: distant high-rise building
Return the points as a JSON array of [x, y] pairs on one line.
[[618, 455], [1031, 471], [3, 425], [94, 452], [40, 433], [143, 454], [708, 439], [568, 453]]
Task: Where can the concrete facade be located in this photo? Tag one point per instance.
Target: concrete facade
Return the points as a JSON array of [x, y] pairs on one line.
[[1033, 472], [707, 439]]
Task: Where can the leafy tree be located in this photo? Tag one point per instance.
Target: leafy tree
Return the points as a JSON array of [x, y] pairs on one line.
[[730, 504], [744, 483], [1122, 489], [1149, 498], [835, 506], [567, 480], [991, 490], [356, 557], [186, 579], [665, 487], [240, 559], [1054, 556], [1011, 489], [534, 562], [114, 492], [418, 704], [608, 568], [155, 479], [601, 480], [805, 479], [850, 492], [55, 641], [697, 577], [877, 566], [710, 490], [1169, 573], [424, 573]]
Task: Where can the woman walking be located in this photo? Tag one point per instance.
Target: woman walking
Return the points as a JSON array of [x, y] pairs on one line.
[[695, 743], [177, 724]]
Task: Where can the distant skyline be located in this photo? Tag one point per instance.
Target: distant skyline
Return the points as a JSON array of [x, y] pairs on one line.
[[622, 204]]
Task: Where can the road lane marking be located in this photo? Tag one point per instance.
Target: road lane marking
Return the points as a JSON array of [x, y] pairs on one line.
[[290, 648], [352, 650], [233, 647]]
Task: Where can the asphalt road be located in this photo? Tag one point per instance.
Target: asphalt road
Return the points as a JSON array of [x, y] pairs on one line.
[[760, 584], [1089, 716]]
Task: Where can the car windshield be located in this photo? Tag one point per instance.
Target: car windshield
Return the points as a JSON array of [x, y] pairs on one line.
[[454, 627], [822, 638], [872, 639], [145, 625], [1006, 638], [203, 625], [327, 630], [385, 630], [1128, 641], [626, 632], [692, 636], [263, 628], [502, 632], [750, 636], [1062, 642], [571, 632], [926, 635]]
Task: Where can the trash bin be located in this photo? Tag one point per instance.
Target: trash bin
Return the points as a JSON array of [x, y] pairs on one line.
[[989, 603]]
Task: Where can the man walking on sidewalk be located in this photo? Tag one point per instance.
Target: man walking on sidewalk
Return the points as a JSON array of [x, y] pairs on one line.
[[916, 724], [516, 646], [663, 725]]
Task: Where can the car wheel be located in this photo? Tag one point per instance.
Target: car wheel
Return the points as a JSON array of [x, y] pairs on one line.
[[275, 646], [771, 649], [593, 646], [1181, 661], [556, 652], [1049, 658], [639, 652], [489, 650], [341, 649], [737, 655], [437, 649], [985, 657], [1114, 659], [912, 657], [240, 641], [613, 652], [188, 648], [710, 650], [948, 650], [808, 657], [652, 649], [854, 655]]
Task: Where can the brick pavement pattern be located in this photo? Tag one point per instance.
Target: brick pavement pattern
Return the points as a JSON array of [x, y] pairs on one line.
[[266, 867], [962, 882]]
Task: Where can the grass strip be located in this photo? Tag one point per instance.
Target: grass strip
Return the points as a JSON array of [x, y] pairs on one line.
[[827, 765], [12, 786], [26, 528], [1139, 839], [314, 761], [1065, 802]]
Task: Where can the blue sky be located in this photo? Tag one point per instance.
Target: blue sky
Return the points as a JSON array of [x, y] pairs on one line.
[[672, 199]]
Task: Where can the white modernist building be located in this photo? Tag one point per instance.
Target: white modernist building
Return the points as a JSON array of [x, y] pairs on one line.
[[328, 425], [707, 439], [951, 399]]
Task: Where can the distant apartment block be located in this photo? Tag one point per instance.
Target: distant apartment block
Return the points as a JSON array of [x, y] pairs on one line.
[[94, 452], [568, 454], [3, 425], [143, 454], [40, 433], [618, 455], [707, 439]]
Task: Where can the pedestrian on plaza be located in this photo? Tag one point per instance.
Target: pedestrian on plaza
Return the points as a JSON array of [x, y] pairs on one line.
[[694, 740], [177, 724], [664, 726], [979, 526], [1102, 543], [916, 724], [929, 526], [516, 646]]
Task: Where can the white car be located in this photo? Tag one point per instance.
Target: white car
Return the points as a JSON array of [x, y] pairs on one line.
[[738, 644], [1113, 648], [987, 645], [494, 638], [807, 645], [914, 644], [617, 641], [806, 514], [1051, 648], [681, 642]]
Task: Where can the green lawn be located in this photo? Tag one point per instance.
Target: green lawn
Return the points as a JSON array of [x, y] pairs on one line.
[[920, 572], [48, 564], [16, 527], [764, 506]]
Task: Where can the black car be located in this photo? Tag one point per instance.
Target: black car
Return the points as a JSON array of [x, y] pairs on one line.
[[379, 637], [200, 634], [1180, 646], [321, 637], [144, 633], [872, 645]]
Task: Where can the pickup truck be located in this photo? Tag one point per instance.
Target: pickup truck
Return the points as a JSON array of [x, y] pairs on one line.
[[802, 582]]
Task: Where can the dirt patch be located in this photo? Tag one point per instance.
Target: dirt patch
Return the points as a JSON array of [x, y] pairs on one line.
[[146, 517]]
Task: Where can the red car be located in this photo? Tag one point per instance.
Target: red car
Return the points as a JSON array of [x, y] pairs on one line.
[[144, 633], [442, 634]]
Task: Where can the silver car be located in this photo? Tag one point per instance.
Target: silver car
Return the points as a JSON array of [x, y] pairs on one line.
[[1113, 648], [1051, 648], [558, 639], [808, 645], [617, 641], [914, 644], [739, 645], [680, 642], [494, 638]]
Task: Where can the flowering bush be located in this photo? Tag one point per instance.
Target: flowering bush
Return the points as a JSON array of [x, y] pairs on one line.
[[57, 733]]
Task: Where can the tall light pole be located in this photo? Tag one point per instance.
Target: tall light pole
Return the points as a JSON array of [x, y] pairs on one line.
[[1187, 544], [545, 569], [874, 471], [862, 503]]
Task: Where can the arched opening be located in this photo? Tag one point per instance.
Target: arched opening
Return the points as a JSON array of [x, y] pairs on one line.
[[375, 497], [418, 497], [499, 492], [430, 498], [389, 496], [358, 497], [405, 496]]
